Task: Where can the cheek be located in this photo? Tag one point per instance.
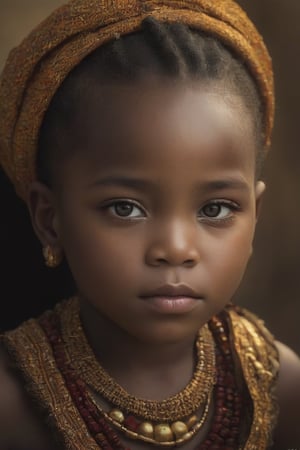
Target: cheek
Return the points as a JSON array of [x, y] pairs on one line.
[[230, 259], [101, 257]]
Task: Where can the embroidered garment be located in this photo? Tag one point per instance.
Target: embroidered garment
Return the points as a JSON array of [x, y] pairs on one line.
[[251, 345]]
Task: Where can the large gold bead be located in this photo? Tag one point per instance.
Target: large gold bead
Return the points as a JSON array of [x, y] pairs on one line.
[[192, 421], [179, 429], [163, 433], [117, 415], [146, 429]]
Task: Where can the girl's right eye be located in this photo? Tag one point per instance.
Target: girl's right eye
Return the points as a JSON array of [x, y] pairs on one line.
[[125, 209]]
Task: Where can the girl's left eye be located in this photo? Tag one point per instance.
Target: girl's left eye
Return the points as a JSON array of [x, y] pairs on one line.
[[125, 209], [218, 210]]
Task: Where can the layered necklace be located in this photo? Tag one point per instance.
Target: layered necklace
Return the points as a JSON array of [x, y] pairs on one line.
[[170, 422]]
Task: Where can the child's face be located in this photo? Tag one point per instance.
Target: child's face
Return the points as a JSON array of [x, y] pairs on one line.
[[162, 193]]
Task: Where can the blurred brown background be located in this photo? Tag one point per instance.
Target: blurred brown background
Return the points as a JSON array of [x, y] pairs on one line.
[[272, 285]]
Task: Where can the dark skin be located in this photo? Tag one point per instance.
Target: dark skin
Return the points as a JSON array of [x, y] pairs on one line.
[[162, 192]]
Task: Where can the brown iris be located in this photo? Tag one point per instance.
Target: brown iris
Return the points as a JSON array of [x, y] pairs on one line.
[[123, 209], [211, 210]]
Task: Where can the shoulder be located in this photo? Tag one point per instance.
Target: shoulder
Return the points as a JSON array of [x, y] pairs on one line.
[[19, 427], [280, 364], [289, 372], [12, 408], [288, 431], [10, 401]]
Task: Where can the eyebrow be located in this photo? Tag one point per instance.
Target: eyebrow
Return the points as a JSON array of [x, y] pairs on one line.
[[141, 184], [123, 181], [230, 183]]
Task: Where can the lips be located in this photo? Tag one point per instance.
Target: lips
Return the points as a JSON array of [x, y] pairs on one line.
[[172, 299], [172, 290]]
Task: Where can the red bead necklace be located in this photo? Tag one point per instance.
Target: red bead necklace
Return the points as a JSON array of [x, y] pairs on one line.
[[225, 428]]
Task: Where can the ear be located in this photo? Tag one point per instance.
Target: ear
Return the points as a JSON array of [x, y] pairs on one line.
[[44, 215], [259, 191], [260, 188]]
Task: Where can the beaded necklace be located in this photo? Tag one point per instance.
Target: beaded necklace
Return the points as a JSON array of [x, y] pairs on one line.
[[90, 371], [224, 430]]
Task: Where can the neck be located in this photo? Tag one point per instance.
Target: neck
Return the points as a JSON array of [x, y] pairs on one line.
[[144, 369]]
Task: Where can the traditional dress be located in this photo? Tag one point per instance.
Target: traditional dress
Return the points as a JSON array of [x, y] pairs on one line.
[[235, 344], [42, 351]]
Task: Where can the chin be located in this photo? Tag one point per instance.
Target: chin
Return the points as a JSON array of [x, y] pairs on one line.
[[167, 334]]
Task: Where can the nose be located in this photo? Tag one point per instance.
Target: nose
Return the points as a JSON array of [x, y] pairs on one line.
[[174, 245]]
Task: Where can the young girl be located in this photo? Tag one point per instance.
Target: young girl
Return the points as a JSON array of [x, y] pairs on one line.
[[135, 131]]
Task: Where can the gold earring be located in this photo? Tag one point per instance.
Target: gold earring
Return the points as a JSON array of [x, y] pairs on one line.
[[53, 257]]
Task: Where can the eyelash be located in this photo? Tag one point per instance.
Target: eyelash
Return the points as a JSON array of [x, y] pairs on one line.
[[115, 203], [232, 206]]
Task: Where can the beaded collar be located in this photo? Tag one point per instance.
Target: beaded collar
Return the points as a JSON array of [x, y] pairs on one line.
[[179, 422], [240, 339]]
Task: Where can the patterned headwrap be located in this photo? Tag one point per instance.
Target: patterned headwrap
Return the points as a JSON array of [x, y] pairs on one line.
[[35, 70]]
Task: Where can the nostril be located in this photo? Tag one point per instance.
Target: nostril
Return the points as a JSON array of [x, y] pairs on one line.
[[173, 250], [164, 261], [189, 262], [161, 261]]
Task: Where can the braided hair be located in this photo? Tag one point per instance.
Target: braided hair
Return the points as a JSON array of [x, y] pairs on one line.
[[170, 50]]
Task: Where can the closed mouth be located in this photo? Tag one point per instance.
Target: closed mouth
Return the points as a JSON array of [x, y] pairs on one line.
[[172, 291], [172, 299]]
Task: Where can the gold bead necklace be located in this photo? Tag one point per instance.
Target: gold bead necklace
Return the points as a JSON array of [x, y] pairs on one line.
[[163, 434], [167, 422]]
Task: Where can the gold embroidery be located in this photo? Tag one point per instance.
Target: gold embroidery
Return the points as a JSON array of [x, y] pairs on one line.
[[253, 344], [259, 359], [30, 349], [183, 404]]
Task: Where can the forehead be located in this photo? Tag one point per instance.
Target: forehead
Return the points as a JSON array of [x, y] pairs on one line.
[[147, 123]]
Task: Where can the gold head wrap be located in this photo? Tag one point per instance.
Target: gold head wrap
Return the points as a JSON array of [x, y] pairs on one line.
[[36, 68]]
